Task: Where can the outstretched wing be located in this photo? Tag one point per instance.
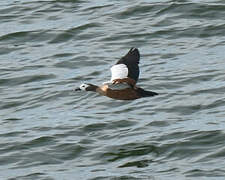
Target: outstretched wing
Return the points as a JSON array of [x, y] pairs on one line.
[[127, 66]]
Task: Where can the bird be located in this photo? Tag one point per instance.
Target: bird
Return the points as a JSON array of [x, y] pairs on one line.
[[124, 76]]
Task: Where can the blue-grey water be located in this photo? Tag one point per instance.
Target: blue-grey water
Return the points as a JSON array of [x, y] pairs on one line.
[[48, 131]]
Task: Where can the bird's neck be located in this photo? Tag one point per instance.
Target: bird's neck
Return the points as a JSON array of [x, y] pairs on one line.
[[92, 87]]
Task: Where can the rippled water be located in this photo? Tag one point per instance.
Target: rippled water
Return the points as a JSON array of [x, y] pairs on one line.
[[48, 131]]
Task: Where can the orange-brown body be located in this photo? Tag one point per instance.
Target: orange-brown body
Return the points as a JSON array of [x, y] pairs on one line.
[[124, 94]]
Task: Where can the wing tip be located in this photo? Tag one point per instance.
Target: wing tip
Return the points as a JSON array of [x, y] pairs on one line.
[[133, 49], [134, 52], [133, 56]]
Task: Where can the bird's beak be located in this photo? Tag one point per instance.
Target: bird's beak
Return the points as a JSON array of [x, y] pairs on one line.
[[77, 89]]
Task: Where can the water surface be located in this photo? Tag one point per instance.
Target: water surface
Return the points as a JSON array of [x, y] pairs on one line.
[[48, 131]]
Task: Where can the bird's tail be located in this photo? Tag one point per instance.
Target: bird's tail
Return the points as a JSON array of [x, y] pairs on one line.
[[144, 93]]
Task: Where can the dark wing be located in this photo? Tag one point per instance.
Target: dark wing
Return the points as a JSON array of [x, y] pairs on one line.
[[131, 60]]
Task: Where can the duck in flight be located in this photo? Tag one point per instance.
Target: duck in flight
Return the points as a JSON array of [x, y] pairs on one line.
[[124, 76]]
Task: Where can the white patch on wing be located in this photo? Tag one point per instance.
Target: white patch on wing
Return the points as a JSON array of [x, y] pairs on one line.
[[119, 71]]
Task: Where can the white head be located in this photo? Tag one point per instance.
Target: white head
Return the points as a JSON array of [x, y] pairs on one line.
[[86, 87]]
